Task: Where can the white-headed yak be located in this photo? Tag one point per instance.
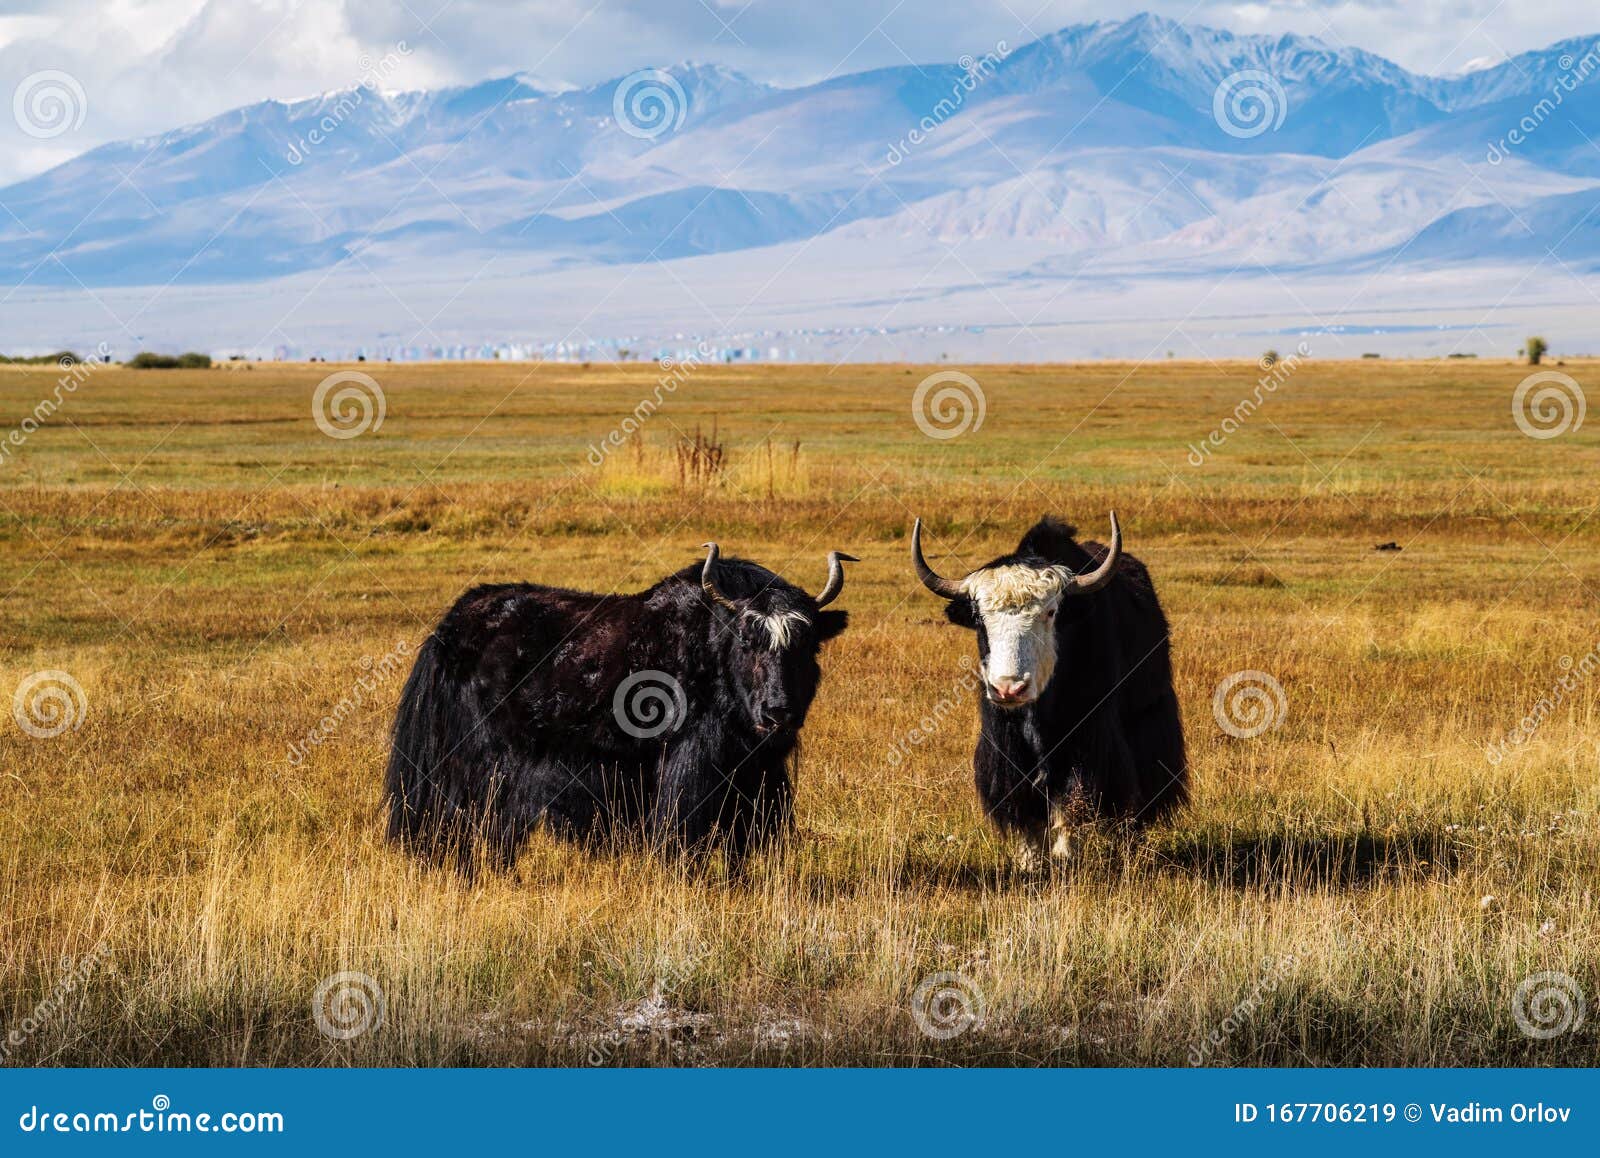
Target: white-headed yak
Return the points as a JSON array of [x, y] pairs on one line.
[[1079, 717]]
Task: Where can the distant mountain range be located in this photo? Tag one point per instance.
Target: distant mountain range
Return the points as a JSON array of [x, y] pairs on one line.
[[1144, 146]]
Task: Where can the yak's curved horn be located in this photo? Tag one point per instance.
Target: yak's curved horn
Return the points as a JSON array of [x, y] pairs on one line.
[[708, 578], [931, 579], [835, 584], [1101, 575]]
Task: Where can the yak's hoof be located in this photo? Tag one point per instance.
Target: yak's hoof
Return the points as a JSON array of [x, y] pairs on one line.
[[1068, 844], [1030, 857]]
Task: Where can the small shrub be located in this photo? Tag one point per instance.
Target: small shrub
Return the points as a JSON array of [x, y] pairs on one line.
[[146, 360], [700, 459], [60, 358], [1537, 348]]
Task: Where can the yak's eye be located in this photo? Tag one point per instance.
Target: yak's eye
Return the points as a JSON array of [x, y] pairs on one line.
[[1049, 615]]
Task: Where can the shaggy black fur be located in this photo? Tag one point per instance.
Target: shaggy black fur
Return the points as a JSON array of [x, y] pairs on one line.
[[510, 717], [1104, 738]]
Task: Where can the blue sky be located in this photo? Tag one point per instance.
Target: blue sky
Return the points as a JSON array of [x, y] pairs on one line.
[[143, 66]]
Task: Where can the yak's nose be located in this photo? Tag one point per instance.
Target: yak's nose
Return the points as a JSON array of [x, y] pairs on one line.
[[1011, 691], [775, 719]]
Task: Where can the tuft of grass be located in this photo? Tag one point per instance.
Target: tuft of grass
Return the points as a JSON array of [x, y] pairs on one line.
[[1248, 577]]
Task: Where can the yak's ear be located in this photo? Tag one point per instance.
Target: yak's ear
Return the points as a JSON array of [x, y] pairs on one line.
[[830, 624], [962, 612]]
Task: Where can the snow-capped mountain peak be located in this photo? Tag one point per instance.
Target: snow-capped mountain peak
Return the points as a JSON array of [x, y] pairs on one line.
[[1111, 138]]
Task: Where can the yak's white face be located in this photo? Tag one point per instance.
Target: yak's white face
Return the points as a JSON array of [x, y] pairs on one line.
[[1016, 608]]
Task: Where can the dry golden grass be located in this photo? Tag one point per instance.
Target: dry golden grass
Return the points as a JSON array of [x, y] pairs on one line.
[[213, 571]]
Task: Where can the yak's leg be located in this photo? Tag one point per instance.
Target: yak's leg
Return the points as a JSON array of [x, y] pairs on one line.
[[1066, 838], [1123, 780], [693, 796], [1157, 739], [1030, 851], [688, 816], [1072, 817], [1013, 799], [764, 810]]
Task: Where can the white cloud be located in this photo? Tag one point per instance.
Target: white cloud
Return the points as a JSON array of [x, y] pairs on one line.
[[149, 65]]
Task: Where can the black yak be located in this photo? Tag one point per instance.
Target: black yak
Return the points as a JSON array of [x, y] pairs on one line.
[[1079, 718], [670, 715]]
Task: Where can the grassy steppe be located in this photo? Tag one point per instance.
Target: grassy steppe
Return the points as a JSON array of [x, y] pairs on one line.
[[1359, 885]]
